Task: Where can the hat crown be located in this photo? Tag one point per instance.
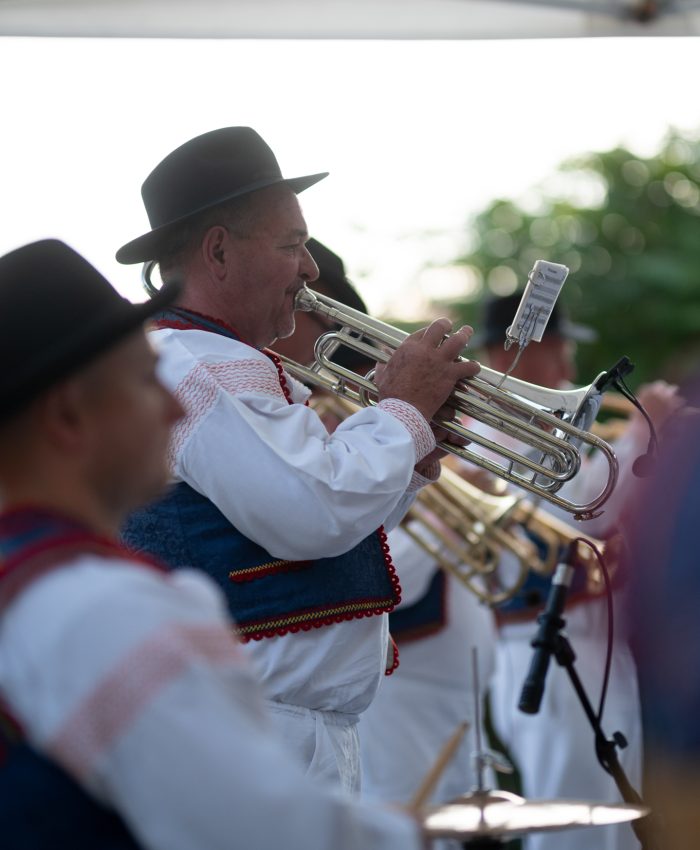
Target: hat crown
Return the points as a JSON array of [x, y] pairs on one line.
[[214, 165], [47, 283], [203, 173], [57, 312]]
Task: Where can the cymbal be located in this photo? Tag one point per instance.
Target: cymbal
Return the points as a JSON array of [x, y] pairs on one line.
[[499, 814]]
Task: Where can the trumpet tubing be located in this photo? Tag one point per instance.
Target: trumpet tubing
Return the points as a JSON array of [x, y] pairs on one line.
[[551, 426]]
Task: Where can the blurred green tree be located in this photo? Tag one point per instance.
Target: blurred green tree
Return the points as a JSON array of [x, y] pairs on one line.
[[629, 230]]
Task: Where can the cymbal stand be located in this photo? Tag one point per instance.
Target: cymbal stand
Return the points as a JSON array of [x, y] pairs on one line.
[[484, 758]]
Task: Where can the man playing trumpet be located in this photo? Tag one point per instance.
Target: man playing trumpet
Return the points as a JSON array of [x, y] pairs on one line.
[[285, 516]]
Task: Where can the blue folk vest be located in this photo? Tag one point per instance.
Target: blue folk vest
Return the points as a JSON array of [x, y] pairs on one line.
[[41, 806], [267, 596]]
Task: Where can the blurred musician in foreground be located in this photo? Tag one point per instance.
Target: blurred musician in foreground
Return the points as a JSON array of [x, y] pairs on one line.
[[436, 625], [664, 627], [128, 715], [554, 748]]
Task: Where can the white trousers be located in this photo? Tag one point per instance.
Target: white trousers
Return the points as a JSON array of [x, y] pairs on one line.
[[325, 743]]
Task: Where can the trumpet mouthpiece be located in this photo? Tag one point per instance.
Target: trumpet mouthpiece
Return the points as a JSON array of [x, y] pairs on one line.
[[305, 300]]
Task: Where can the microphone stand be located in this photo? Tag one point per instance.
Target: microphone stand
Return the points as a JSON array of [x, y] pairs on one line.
[[645, 828]]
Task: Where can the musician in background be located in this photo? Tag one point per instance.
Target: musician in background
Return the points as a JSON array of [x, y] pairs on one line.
[[554, 749], [436, 625], [129, 717], [287, 518]]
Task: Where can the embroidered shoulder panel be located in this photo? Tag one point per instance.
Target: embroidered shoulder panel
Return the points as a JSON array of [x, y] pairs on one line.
[[199, 389]]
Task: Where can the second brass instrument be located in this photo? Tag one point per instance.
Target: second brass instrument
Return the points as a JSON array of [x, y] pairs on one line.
[[552, 426], [467, 531]]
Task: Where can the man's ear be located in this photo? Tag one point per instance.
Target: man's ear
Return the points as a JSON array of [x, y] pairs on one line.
[[63, 415], [215, 250]]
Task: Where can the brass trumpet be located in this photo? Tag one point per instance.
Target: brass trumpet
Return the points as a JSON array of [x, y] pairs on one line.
[[550, 424]]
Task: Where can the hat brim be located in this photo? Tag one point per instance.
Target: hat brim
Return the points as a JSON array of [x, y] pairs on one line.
[[578, 333], [81, 347], [146, 247]]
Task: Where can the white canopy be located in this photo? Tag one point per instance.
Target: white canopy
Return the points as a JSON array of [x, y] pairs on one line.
[[349, 19]]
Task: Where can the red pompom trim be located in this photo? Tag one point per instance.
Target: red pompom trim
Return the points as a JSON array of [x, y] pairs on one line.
[[318, 617], [395, 657]]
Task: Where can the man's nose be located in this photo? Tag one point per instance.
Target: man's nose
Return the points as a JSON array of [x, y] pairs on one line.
[[308, 269]]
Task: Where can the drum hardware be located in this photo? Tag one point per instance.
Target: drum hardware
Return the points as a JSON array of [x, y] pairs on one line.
[[486, 819]]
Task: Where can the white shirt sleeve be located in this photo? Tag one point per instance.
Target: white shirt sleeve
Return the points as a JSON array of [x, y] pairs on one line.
[[272, 468], [133, 683]]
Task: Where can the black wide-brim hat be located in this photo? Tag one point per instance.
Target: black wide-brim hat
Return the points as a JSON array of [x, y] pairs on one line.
[[57, 314], [204, 172], [498, 313]]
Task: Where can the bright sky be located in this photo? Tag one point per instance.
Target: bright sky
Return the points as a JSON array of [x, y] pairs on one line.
[[417, 135]]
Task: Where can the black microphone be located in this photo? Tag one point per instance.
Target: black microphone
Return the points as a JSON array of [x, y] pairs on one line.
[[550, 622]]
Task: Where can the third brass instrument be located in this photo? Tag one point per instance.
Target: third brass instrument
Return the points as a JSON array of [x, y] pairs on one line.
[[551, 426]]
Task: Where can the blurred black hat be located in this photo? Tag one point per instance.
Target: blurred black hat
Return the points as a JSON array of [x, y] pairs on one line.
[[204, 172], [331, 271], [498, 313], [57, 313]]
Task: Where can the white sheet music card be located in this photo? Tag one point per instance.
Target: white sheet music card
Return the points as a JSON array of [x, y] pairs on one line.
[[544, 284]]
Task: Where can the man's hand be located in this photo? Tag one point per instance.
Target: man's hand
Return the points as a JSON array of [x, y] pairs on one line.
[[425, 368]]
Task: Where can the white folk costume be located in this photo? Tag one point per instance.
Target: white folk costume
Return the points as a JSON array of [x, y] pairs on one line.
[[416, 711], [286, 518], [133, 697], [554, 749]]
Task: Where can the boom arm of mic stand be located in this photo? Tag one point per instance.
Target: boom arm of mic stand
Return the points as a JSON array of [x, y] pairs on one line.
[[646, 829]]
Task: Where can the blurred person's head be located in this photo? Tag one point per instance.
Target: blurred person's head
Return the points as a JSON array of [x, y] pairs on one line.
[[549, 363], [228, 225], [84, 420]]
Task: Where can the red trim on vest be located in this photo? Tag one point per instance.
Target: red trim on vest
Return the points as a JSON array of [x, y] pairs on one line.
[[395, 658], [271, 569], [304, 622]]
